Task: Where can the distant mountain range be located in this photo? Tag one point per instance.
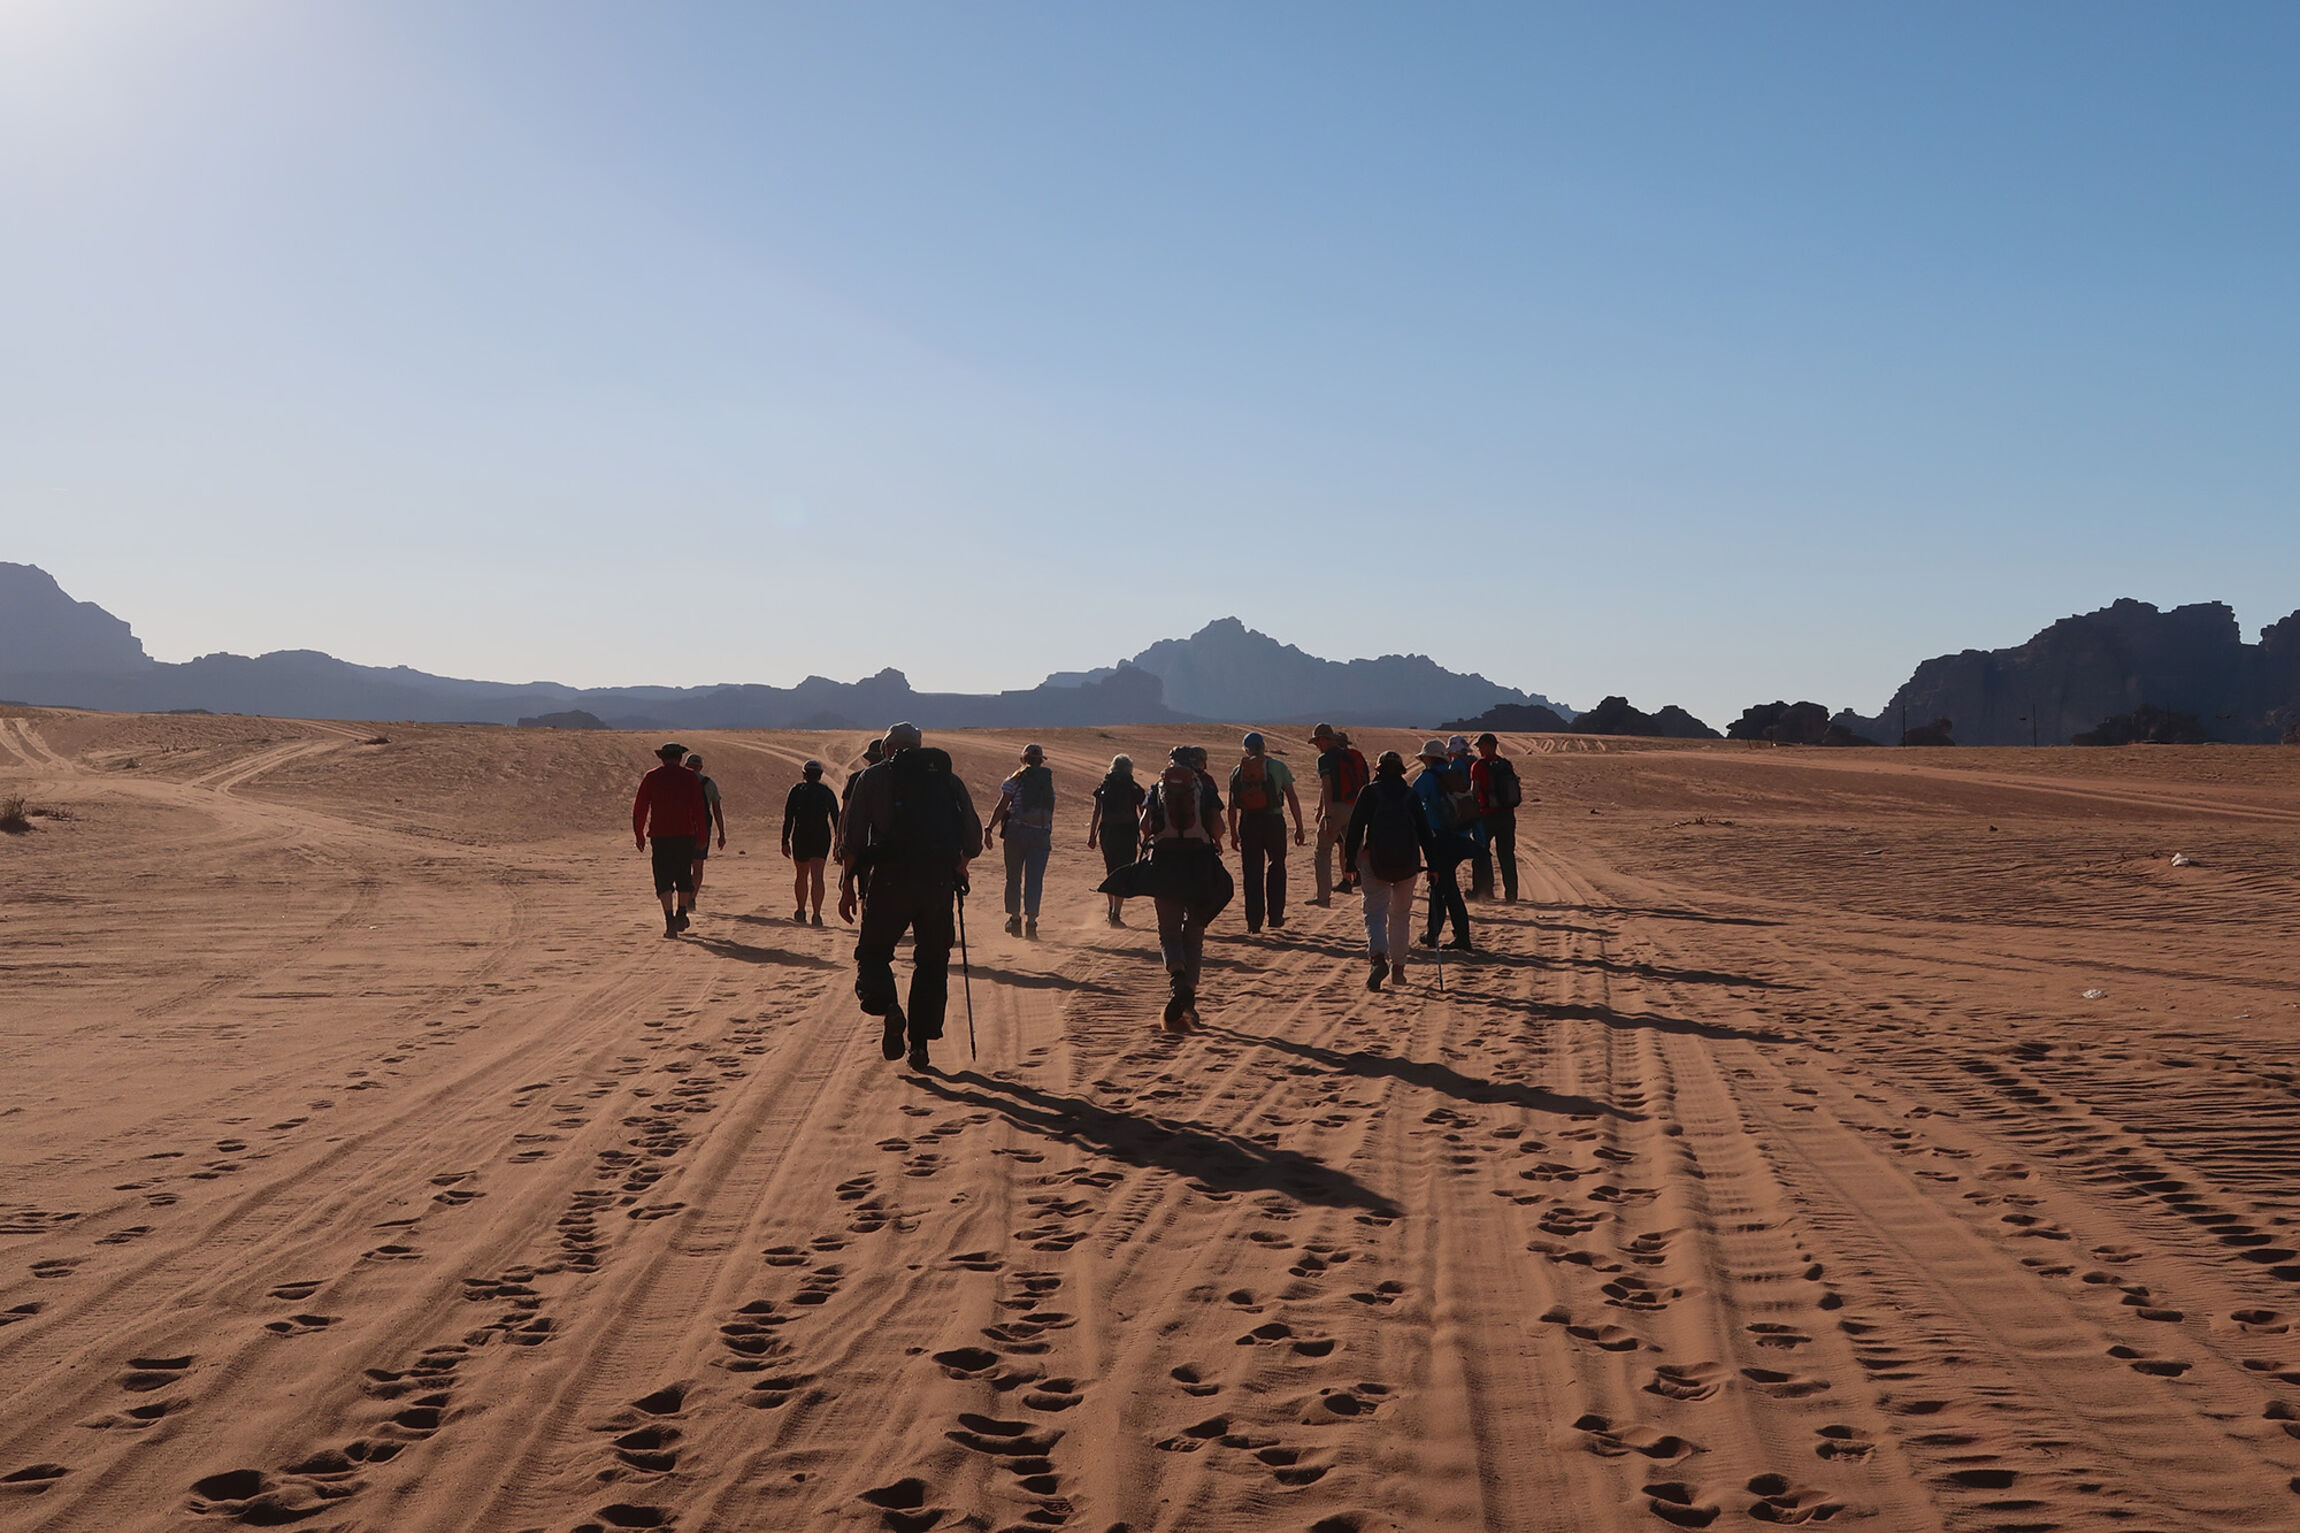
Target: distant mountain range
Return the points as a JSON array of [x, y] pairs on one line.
[[2104, 665], [66, 653]]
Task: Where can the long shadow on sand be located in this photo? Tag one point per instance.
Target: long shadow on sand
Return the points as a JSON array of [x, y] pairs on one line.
[[1666, 913], [1443, 1079], [744, 952], [1582, 1011], [1210, 1156], [1667, 976], [1018, 978]]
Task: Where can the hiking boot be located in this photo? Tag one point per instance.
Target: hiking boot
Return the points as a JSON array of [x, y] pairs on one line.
[[800, 915], [918, 1056], [1426, 939], [670, 924], [1014, 926], [1322, 901], [1179, 1005], [1277, 923], [818, 918], [891, 1044], [1459, 945], [1030, 928], [1381, 967], [1397, 973], [681, 918]]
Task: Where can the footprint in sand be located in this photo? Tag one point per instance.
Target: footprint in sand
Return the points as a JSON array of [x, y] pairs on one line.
[[902, 1505], [2154, 1367], [1687, 1381], [301, 1325], [1785, 1386], [1192, 1381], [649, 1449], [20, 1312], [33, 1479], [1779, 1501], [1601, 1437], [1842, 1442], [1680, 1504], [146, 1374]]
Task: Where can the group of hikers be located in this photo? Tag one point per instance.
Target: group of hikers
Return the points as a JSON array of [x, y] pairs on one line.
[[905, 835]]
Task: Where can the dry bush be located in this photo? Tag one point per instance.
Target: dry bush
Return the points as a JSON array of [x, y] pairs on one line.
[[12, 817]]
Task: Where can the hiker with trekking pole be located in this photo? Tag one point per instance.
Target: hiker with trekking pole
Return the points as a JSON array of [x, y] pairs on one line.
[[1449, 799], [911, 827], [1387, 840]]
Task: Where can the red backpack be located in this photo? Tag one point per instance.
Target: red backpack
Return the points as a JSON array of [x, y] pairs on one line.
[[1350, 776]]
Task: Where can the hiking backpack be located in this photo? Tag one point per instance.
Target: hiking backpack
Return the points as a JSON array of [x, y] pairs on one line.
[[1035, 788], [1393, 841], [926, 829], [1179, 801], [1457, 800], [1350, 776], [1252, 795], [1502, 785]]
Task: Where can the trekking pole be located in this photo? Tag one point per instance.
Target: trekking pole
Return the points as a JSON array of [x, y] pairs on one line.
[[966, 976]]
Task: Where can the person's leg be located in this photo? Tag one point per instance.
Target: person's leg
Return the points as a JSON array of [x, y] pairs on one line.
[[697, 873], [883, 921], [1250, 867], [799, 890], [1400, 899], [1455, 906], [1170, 931], [1377, 909], [1035, 851], [1275, 849], [1481, 866], [1504, 828], [1014, 860], [934, 930], [1322, 861], [815, 882]]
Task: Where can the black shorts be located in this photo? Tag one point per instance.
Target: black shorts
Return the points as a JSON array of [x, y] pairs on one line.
[[675, 864], [810, 843], [1118, 852]]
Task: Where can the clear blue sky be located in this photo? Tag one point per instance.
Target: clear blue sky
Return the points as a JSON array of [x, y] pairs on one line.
[[1702, 352]]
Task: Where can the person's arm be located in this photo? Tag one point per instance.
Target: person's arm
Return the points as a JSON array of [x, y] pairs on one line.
[[719, 815], [1094, 823], [1233, 819], [838, 809], [1294, 802], [790, 806], [998, 812], [972, 840], [639, 808], [1354, 834]]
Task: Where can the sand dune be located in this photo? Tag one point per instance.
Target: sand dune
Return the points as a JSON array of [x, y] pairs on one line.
[[373, 1163]]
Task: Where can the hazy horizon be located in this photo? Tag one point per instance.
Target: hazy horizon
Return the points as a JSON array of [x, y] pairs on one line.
[[1701, 356]]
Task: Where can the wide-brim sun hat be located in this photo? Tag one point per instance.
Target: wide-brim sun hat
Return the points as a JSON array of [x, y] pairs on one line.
[[1389, 761], [1456, 744], [1034, 752], [1322, 732], [1433, 750], [670, 750], [901, 736]]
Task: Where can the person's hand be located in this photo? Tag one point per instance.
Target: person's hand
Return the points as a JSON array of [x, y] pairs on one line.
[[786, 851], [1298, 841], [1090, 841], [722, 841], [642, 843], [847, 901]]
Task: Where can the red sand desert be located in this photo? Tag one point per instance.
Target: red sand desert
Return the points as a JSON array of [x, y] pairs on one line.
[[372, 1161]]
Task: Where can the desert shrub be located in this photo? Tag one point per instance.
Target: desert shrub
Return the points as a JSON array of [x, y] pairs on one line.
[[376, 740], [12, 816]]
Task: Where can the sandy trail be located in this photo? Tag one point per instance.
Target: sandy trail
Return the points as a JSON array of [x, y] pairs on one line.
[[375, 1165]]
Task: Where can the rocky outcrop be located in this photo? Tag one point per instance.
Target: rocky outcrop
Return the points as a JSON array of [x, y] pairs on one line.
[[1509, 718], [573, 718], [1792, 724], [2103, 664], [56, 651], [2146, 725], [1615, 716], [1228, 671], [1938, 732], [42, 630]]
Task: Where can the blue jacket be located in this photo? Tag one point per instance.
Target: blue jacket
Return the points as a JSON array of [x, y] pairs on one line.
[[1446, 845]]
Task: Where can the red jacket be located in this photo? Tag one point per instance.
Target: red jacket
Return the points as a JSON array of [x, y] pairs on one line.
[[673, 797]]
